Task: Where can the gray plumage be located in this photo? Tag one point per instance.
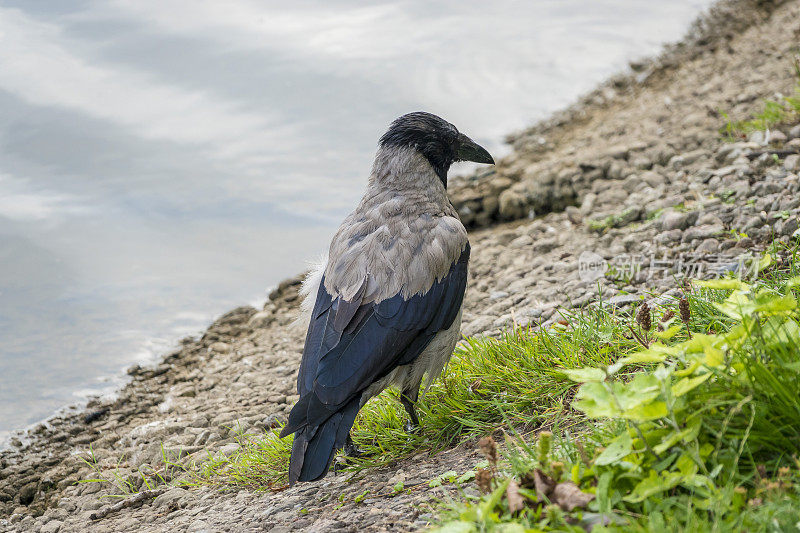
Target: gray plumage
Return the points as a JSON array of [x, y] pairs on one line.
[[385, 308]]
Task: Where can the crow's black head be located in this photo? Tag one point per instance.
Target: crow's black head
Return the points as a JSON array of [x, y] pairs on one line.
[[436, 139]]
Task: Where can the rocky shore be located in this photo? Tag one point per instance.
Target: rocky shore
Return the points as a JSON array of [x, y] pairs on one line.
[[635, 182]]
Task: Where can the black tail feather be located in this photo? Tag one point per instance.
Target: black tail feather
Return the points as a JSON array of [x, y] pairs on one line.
[[313, 449]]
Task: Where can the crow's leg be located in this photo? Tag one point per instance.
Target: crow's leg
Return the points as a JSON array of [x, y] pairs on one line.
[[408, 397], [350, 451], [350, 448]]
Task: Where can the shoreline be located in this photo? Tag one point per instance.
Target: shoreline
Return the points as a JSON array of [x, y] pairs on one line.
[[607, 178]]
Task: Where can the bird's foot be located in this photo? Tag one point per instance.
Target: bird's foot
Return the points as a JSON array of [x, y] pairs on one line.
[[351, 450]]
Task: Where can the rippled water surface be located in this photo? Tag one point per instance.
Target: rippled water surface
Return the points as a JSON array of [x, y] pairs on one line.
[[162, 161]]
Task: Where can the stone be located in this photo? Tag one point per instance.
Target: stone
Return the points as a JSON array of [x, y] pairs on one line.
[[789, 226], [777, 137], [708, 246], [757, 137], [794, 133], [543, 246], [53, 526], [219, 347], [792, 163], [28, 493], [171, 497], [623, 300], [671, 219], [574, 214], [702, 232], [668, 237], [229, 449]]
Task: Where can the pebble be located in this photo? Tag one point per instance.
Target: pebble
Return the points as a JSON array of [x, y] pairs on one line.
[[792, 163]]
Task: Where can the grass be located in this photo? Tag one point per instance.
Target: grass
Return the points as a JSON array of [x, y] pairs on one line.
[[697, 431], [684, 417], [490, 383], [785, 110]]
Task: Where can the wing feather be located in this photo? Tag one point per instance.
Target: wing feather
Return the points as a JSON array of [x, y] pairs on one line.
[[351, 344]]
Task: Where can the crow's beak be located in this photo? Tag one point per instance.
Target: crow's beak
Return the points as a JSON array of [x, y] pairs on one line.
[[469, 150]]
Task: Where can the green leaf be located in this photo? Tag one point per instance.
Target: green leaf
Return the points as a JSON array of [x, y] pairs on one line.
[[603, 491], [653, 484], [764, 262], [722, 284], [779, 332], [616, 450], [667, 334], [686, 384], [455, 527], [686, 435], [643, 413], [510, 528], [583, 375], [596, 401], [466, 476], [497, 495]]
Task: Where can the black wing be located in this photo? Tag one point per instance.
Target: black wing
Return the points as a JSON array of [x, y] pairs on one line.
[[350, 345]]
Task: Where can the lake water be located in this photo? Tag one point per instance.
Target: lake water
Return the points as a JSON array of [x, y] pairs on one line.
[[162, 161]]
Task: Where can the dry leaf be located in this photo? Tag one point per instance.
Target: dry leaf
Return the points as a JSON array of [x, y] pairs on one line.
[[568, 496], [543, 484], [515, 500]]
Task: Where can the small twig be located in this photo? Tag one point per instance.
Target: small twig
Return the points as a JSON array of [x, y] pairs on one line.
[[129, 502], [638, 338]]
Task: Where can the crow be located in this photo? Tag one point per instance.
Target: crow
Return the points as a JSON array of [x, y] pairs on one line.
[[385, 308]]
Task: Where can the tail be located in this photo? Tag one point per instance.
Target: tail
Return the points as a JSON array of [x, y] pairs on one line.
[[314, 447]]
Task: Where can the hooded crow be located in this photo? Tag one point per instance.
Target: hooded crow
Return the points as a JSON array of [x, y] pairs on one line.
[[387, 302]]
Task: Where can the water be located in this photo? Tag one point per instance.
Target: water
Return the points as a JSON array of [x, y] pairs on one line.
[[162, 161]]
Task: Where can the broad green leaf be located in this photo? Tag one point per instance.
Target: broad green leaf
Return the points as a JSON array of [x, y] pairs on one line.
[[667, 334], [768, 305], [583, 375], [596, 401], [686, 465], [793, 282], [686, 384], [643, 413], [689, 370], [714, 356], [778, 331], [764, 262], [740, 306], [602, 491], [497, 495], [510, 528], [653, 484], [616, 450], [642, 389], [456, 527], [722, 284], [646, 356], [688, 434]]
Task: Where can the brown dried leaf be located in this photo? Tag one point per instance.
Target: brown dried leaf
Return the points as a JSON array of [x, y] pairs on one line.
[[515, 501], [543, 484], [568, 496]]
